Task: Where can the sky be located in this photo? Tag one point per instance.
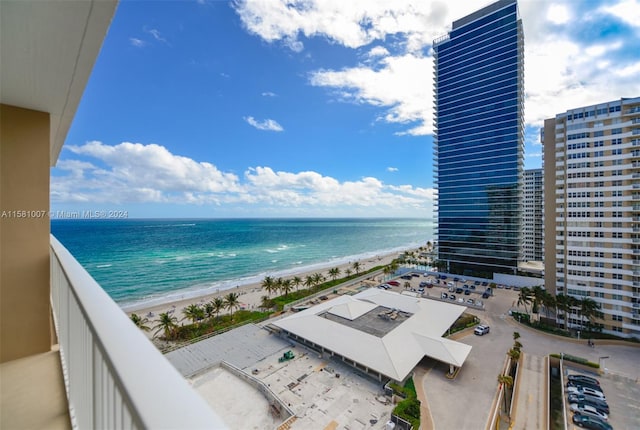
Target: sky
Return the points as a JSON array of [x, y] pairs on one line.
[[305, 108]]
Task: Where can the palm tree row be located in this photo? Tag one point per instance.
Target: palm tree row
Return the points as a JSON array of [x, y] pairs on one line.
[[167, 323], [586, 308], [285, 286]]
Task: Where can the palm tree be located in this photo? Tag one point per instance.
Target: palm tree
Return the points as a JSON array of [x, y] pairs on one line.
[[286, 287], [265, 302], [296, 281], [516, 335], [514, 354], [348, 272], [268, 284], [166, 323], [407, 285], [562, 303], [278, 284], [508, 383], [209, 310], [231, 302], [549, 302], [517, 345], [140, 322], [357, 267], [589, 309], [524, 298], [309, 281], [317, 279], [193, 312], [387, 271], [537, 294], [334, 273], [218, 305]]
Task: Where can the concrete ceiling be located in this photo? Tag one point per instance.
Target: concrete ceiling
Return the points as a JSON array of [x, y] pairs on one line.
[[47, 52]]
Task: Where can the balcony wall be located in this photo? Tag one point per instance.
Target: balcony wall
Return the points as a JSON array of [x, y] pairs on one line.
[[114, 376]]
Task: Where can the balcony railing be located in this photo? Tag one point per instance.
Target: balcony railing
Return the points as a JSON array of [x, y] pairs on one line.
[[115, 377]]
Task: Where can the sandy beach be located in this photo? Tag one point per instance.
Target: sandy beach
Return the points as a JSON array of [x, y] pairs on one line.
[[250, 295]]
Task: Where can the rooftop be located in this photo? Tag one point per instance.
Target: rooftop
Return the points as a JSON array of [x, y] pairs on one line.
[[384, 331]]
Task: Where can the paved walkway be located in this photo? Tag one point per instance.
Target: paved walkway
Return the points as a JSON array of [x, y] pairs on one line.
[[426, 420], [529, 407]]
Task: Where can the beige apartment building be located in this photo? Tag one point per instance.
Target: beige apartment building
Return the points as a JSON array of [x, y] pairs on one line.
[[592, 210]]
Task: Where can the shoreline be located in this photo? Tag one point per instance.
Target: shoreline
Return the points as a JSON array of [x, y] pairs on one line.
[[213, 289], [250, 294]]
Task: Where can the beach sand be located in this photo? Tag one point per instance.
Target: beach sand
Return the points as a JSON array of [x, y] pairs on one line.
[[250, 295]]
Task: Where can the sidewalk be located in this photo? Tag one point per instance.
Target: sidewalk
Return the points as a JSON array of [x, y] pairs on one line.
[[531, 394]]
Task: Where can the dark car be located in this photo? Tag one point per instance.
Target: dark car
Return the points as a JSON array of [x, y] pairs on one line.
[[591, 423], [583, 378], [485, 295], [423, 284], [467, 292], [459, 290], [394, 283], [407, 277], [489, 290]]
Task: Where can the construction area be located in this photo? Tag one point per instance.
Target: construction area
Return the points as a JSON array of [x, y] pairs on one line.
[[280, 384]]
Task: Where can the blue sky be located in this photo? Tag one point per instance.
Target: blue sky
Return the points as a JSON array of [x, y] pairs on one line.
[[319, 108]]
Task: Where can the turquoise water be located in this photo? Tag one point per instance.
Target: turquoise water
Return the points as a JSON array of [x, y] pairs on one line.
[[143, 262]]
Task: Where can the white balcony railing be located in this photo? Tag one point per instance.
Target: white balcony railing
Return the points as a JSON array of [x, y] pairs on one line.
[[115, 378]]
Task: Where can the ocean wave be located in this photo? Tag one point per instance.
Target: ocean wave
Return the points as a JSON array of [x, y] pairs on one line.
[[102, 266]]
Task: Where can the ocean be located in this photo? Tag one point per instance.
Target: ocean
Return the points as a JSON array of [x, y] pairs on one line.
[[142, 262]]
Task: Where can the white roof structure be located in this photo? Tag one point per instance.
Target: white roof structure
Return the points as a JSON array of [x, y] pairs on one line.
[[409, 329]]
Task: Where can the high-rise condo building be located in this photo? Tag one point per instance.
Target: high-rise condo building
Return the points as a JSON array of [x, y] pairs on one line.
[[532, 216], [479, 141], [592, 213]]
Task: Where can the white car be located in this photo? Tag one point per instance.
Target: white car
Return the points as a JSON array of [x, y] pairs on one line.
[[586, 390], [588, 410], [481, 330]]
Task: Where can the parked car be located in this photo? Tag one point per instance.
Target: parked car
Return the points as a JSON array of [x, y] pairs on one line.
[[588, 379], [590, 423], [467, 292], [407, 277], [485, 295], [599, 405], [444, 296], [593, 401], [588, 410], [481, 330], [394, 283], [452, 297], [469, 301], [422, 284], [489, 291], [586, 390], [583, 384], [459, 290], [507, 287]]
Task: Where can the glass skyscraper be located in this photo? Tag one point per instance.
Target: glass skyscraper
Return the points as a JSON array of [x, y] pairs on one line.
[[479, 141]]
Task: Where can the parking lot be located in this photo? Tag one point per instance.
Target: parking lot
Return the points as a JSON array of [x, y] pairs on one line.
[[622, 396]]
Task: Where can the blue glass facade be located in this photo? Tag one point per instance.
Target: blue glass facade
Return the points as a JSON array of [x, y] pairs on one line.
[[479, 140]]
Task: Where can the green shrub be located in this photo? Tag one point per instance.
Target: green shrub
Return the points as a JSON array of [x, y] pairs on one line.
[[578, 360], [409, 409]]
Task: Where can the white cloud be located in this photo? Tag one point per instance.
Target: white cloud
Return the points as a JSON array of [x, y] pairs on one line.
[[378, 51], [558, 14], [138, 43], [392, 169], [558, 74], [628, 11], [269, 94], [267, 124], [403, 85], [137, 173], [155, 34]]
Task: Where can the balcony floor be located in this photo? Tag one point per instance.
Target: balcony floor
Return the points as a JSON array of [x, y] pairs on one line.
[[33, 394]]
